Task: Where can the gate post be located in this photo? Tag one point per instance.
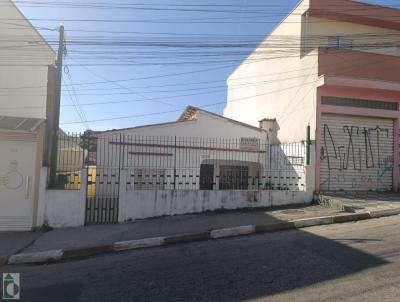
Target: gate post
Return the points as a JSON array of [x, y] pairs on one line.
[[82, 193], [122, 195]]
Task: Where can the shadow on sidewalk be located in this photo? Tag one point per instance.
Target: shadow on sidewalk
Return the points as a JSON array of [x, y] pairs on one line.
[[235, 269]]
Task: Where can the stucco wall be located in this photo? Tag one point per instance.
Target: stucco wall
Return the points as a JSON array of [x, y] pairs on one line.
[[141, 204], [24, 60], [146, 204], [61, 208], [275, 82]]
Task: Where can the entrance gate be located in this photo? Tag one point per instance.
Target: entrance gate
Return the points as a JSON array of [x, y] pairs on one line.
[[103, 180]]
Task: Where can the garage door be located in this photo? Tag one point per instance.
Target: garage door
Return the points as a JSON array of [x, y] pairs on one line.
[[356, 154], [16, 184]]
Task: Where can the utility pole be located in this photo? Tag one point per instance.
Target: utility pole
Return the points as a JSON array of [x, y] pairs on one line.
[[56, 117]]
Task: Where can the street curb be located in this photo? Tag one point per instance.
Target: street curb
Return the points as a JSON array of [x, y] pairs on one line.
[[232, 232], [38, 257], [68, 254], [3, 260], [307, 222], [351, 217], [384, 213], [281, 226], [86, 251], [184, 238], [138, 244]]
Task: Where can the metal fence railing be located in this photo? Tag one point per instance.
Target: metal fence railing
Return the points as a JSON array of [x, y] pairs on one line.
[[179, 163]]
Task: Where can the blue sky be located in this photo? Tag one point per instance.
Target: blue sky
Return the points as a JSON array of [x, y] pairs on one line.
[[138, 96]]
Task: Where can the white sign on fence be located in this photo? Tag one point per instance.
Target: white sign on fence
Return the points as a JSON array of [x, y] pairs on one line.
[[249, 144]]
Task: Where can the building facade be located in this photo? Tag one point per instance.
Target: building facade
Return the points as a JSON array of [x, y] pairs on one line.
[[200, 151], [26, 63], [331, 65]]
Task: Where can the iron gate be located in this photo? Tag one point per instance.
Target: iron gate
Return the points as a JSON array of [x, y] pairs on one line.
[[103, 180]]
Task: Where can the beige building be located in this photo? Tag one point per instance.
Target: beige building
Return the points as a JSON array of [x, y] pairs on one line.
[[25, 58], [25, 61], [330, 64]]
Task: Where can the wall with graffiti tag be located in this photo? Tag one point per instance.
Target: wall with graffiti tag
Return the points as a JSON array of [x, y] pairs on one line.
[[356, 154]]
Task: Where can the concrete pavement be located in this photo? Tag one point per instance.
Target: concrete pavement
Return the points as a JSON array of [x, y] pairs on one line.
[[102, 235], [357, 262]]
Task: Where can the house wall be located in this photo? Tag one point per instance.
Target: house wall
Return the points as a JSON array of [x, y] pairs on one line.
[[203, 140], [205, 130], [24, 60], [144, 204], [276, 82], [61, 208]]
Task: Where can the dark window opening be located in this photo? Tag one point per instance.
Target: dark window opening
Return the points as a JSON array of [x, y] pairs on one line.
[[206, 177], [233, 177], [334, 101]]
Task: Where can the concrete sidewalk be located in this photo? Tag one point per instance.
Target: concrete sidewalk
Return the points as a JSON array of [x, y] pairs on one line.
[[165, 226], [72, 243], [360, 202]]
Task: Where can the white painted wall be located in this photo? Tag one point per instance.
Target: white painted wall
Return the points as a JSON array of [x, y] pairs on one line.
[[24, 60], [276, 82], [61, 208], [146, 204]]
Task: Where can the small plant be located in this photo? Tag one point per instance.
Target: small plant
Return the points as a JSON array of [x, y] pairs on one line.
[[45, 227]]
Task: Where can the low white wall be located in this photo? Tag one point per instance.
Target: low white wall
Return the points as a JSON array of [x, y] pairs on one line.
[[61, 208], [140, 204]]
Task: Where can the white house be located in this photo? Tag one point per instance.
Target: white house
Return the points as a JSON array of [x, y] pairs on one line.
[[186, 154], [26, 64], [202, 161]]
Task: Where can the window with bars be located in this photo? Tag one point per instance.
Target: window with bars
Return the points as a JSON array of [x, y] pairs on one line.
[[233, 177]]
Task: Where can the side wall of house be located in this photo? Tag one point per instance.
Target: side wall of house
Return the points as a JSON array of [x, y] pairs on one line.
[[24, 60], [276, 82]]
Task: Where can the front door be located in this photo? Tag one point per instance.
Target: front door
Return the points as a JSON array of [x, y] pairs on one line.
[[17, 166]]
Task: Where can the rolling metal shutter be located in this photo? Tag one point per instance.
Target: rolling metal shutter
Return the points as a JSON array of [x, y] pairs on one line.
[[356, 153]]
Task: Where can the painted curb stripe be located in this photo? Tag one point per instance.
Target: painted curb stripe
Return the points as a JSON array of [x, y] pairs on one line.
[[383, 213], [138, 244], [308, 222], [230, 232], [39, 257]]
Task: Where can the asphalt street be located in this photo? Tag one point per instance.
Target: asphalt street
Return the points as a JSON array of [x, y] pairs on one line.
[[344, 262]]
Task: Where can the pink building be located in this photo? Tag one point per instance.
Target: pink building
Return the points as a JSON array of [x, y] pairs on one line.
[[333, 65]]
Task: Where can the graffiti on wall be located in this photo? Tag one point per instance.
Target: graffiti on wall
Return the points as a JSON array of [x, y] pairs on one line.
[[355, 157]]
